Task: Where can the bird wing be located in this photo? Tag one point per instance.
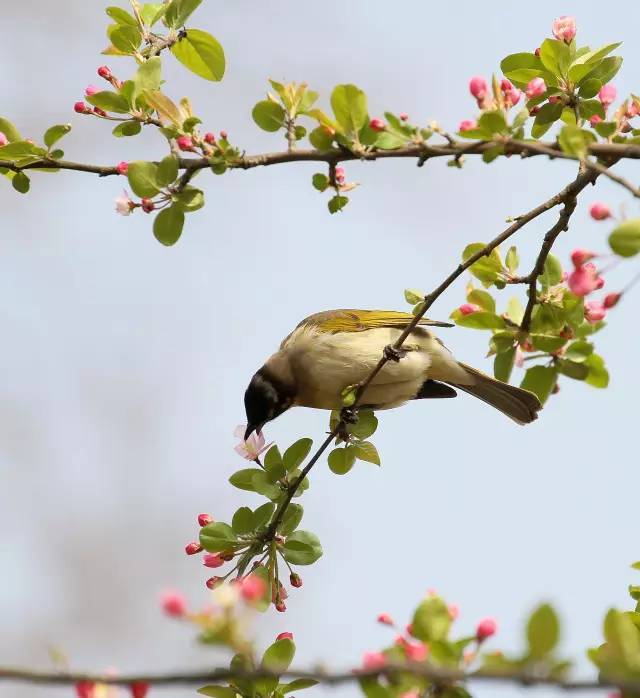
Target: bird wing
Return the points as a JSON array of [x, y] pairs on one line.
[[350, 320]]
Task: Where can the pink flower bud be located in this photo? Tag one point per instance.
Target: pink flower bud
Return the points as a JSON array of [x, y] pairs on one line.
[[409, 629], [580, 257], [139, 689], [124, 205], [91, 90], [583, 280], [632, 110], [454, 611], [281, 607], [3, 139], [467, 125], [204, 519], [213, 582], [192, 548], [512, 97], [537, 52], [535, 88], [415, 651], [284, 636], [385, 619], [224, 135], [209, 138], [295, 580], [468, 308], [99, 112], [611, 299], [564, 28], [148, 205], [594, 311], [173, 604], [122, 167], [599, 211], [85, 689], [252, 588], [478, 87], [607, 94], [486, 628], [599, 283], [104, 72], [534, 110], [554, 99], [404, 116], [377, 125], [185, 143], [506, 85], [212, 560], [373, 660], [595, 119], [81, 108]]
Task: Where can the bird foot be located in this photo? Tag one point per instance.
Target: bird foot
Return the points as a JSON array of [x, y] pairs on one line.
[[349, 415], [393, 354]]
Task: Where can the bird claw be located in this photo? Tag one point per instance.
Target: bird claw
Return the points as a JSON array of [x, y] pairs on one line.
[[393, 354]]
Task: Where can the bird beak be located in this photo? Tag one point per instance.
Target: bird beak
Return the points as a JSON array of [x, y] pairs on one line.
[[251, 428]]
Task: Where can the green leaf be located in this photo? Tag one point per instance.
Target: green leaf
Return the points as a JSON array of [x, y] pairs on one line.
[[179, 11], [125, 38], [552, 272], [201, 54], [320, 181], [279, 655], [482, 298], [366, 451], [574, 141], [598, 376], [488, 268], [590, 88], [167, 171], [431, 621], [522, 67], [591, 107], [341, 460], [216, 537], [109, 101], [555, 56], [320, 139], [577, 371], [21, 183], [269, 116], [584, 64], [189, 199], [302, 548], [55, 133], [165, 107], [263, 484], [127, 128], [606, 70], [349, 104], [217, 692], [18, 150], [296, 453], [545, 117], [547, 342], [540, 380], [413, 296], [579, 351], [337, 203], [512, 260], [262, 515], [291, 519], [242, 521], [121, 16], [9, 130], [149, 75], [480, 320], [543, 631], [142, 177], [636, 565], [515, 311], [243, 479], [624, 240], [273, 465], [365, 426], [503, 364], [606, 128], [298, 685], [151, 12]]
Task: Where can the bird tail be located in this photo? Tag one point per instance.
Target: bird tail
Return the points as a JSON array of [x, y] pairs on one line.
[[520, 405]]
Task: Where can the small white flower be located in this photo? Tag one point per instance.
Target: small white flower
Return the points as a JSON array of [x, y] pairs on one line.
[[123, 204], [253, 446]]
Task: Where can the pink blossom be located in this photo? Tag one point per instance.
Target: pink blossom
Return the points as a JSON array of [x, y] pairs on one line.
[[607, 94], [513, 96], [385, 619], [611, 299], [3, 139], [583, 280], [252, 587], [81, 108], [173, 603], [595, 119], [184, 143], [122, 167], [85, 689], [212, 560], [210, 138], [632, 110], [253, 446], [599, 211], [124, 204], [224, 135], [139, 689], [506, 85], [454, 611], [104, 72], [91, 90], [213, 582], [535, 88], [204, 519], [377, 125], [284, 636], [404, 116], [580, 256], [416, 651], [468, 308], [193, 548], [594, 311], [467, 125], [486, 628], [564, 28], [373, 660], [478, 87]]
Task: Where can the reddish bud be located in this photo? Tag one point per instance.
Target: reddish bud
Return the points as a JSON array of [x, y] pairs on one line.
[[192, 548], [173, 604], [373, 660], [91, 90], [594, 311], [104, 72], [212, 560], [377, 125], [513, 97], [281, 607], [404, 116], [122, 167], [583, 280], [607, 94], [478, 87], [85, 689], [3, 139], [535, 88], [537, 52], [213, 582], [81, 108], [99, 112], [554, 99], [147, 206], [415, 651], [467, 125], [599, 283], [632, 110], [204, 519], [385, 619], [595, 119], [564, 28], [611, 299], [139, 689], [284, 636], [210, 138], [185, 143], [580, 257], [534, 110], [468, 308], [224, 135], [486, 628], [295, 580], [599, 211], [506, 85], [252, 588]]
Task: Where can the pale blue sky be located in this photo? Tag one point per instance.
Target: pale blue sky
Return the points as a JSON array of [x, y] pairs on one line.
[[124, 363]]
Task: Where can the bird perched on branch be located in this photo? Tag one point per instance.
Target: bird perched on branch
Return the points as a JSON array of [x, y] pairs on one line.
[[331, 350]]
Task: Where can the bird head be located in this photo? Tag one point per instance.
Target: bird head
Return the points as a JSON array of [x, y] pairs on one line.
[[266, 398]]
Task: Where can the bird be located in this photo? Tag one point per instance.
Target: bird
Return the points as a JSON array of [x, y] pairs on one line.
[[331, 350]]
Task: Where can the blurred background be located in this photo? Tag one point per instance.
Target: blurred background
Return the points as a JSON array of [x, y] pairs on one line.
[[123, 364]]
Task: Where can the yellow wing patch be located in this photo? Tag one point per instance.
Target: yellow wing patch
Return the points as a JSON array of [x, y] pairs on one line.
[[333, 321]]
